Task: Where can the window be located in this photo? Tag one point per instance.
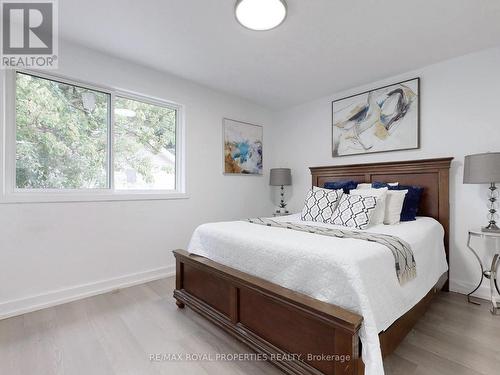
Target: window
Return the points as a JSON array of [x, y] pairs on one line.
[[61, 135], [144, 156], [72, 139]]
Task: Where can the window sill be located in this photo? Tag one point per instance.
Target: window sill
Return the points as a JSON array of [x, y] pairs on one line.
[[67, 197]]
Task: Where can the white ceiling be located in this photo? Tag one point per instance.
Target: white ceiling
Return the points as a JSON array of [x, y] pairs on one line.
[[324, 46]]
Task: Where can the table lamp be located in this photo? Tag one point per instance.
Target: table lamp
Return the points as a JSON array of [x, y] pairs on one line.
[[485, 169], [281, 177]]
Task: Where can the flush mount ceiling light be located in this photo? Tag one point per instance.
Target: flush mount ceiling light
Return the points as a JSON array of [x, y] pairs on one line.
[[260, 15]]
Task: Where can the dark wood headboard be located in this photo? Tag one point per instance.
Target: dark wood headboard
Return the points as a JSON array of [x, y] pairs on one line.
[[431, 174]]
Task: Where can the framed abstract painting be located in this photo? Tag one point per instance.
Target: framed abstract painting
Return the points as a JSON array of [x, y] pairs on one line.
[[242, 148], [383, 119]]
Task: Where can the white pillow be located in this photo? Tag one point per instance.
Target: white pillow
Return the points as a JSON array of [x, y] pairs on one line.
[[393, 206], [378, 215], [354, 211], [315, 188], [320, 204]]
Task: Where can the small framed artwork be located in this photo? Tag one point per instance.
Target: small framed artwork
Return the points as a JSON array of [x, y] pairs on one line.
[[242, 148], [382, 119]]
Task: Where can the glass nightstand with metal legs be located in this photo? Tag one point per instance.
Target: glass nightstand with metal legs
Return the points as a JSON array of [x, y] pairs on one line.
[[490, 274]]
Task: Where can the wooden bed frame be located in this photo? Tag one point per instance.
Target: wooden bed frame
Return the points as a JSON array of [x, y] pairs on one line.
[[295, 332]]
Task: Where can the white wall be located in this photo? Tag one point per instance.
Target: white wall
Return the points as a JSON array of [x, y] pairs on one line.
[[53, 251], [460, 100], [60, 251]]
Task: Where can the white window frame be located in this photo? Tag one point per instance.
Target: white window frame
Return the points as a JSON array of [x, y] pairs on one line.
[[12, 194]]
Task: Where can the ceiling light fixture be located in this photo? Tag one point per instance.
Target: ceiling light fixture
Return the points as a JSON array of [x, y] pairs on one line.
[[260, 15]]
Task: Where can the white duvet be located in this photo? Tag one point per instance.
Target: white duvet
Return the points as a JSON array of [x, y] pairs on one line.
[[351, 273]]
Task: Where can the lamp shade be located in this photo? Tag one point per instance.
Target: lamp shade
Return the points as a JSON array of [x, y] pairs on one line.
[[280, 176], [482, 168]]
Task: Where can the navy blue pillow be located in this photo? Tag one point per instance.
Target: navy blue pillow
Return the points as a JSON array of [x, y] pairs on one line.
[[411, 202], [345, 185]]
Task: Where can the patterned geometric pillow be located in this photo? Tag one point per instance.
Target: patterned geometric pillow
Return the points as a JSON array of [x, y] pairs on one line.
[[320, 204], [354, 211]]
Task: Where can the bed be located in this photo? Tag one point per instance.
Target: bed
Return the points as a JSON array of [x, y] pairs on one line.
[[303, 327]]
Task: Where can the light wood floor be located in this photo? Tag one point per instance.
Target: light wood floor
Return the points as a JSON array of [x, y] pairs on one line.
[[116, 333]]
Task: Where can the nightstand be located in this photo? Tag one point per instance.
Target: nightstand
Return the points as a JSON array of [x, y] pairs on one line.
[[490, 274]]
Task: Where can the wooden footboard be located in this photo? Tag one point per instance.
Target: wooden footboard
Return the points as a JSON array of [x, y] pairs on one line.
[[297, 333]]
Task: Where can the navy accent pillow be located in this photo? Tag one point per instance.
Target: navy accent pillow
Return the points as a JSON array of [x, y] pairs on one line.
[[411, 202], [379, 185], [345, 185]]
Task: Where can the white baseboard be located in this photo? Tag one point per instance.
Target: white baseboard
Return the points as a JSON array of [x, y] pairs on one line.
[[464, 287], [58, 297]]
